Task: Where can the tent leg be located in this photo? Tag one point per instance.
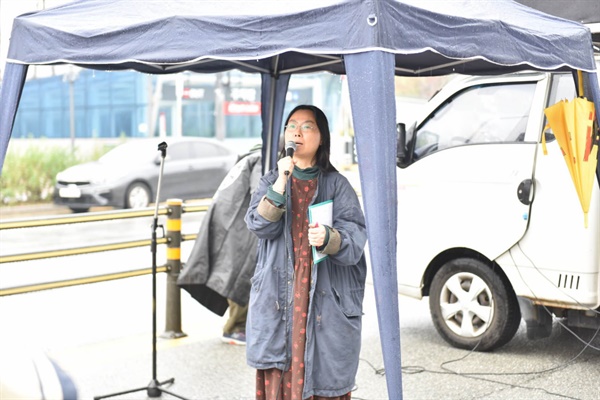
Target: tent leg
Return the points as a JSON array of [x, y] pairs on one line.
[[371, 83]]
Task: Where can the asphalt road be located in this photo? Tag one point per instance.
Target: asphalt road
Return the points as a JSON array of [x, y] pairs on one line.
[[101, 334]]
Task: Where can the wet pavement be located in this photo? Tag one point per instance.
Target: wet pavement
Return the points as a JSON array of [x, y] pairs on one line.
[[101, 336]]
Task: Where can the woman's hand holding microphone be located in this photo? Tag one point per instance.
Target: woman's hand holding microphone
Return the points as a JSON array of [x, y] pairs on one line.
[[285, 166]]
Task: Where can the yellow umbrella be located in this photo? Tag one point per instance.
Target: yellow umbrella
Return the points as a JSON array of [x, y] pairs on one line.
[[573, 125]]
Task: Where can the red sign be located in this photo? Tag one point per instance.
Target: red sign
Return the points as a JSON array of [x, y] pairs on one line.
[[241, 108], [193, 93]]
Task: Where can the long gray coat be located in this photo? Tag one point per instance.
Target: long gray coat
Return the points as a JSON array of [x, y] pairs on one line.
[[223, 258], [333, 332]]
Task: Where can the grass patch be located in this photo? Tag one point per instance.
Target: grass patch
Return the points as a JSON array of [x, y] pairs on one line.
[[29, 175]]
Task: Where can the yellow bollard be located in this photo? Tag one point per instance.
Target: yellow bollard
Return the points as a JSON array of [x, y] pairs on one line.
[[173, 308]]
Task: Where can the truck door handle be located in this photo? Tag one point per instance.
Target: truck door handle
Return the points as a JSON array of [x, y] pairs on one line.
[[525, 191]]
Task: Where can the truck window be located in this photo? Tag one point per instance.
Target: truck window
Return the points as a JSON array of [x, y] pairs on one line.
[[481, 114], [563, 88]]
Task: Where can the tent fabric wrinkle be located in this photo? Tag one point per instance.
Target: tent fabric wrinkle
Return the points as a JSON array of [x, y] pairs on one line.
[[174, 34], [513, 36]]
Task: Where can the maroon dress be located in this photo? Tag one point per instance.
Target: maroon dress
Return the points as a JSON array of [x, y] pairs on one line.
[[270, 385]]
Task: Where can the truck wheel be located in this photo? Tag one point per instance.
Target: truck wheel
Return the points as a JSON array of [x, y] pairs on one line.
[[137, 195], [473, 307]]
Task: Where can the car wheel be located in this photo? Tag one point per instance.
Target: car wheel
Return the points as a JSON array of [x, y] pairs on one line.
[[472, 306], [137, 195], [79, 209]]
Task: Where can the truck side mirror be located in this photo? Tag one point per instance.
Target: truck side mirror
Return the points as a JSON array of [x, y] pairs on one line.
[[401, 144]]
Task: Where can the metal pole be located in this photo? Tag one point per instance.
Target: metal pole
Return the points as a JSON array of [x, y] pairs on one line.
[[173, 307], [178, 116], [72, 112], [220, 99]]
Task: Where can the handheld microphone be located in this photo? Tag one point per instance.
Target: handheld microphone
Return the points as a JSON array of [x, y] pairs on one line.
[[290, 147]]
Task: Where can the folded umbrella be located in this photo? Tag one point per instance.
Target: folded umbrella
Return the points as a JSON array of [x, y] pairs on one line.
[[573, 124]]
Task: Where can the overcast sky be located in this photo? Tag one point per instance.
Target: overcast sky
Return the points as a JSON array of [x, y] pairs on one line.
[[9, 9]]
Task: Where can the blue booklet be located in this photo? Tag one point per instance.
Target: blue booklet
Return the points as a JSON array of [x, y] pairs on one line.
[[323, 214]]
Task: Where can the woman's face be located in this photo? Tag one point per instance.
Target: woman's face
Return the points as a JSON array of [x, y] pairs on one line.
[[302, 129]]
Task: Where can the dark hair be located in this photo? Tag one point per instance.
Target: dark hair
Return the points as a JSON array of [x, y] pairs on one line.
[[324, 149]]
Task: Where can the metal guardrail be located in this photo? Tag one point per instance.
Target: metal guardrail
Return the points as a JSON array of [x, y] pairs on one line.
[[99, 216], [78, 281], [77, 251], [173, 209], [74, 219]]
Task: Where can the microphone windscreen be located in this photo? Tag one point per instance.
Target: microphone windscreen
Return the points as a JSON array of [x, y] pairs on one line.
[[290, 147]]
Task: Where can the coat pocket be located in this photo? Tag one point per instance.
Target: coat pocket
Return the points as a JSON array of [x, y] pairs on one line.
[[350, 301], [257, 278]]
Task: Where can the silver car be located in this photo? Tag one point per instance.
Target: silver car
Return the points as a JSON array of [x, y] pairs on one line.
[[127, 176]]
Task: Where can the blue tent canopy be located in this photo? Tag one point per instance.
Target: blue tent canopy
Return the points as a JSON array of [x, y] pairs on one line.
[[278, 38], [370, 41]]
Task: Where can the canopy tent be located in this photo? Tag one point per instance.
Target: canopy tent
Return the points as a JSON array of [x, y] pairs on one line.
[[368, 40]]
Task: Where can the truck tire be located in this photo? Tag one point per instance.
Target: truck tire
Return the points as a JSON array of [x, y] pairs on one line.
[[473, 307], [137, 195]]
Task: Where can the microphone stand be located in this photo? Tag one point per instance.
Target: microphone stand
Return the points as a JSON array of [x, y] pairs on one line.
[[154, 388], [290, 147]]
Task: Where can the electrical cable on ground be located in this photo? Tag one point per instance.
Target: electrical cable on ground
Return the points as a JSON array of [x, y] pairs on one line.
[[415, 369]]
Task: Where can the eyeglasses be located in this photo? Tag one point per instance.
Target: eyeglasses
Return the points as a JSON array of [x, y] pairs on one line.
[[305, 128]]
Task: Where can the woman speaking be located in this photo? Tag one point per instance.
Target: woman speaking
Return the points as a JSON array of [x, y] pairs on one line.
[[304, 319]]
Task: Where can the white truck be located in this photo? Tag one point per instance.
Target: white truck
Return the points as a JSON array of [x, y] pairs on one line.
[[489, 227]]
